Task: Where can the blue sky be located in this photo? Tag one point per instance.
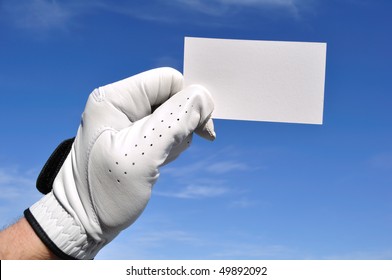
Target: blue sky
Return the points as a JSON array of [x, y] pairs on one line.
[[261, 190]]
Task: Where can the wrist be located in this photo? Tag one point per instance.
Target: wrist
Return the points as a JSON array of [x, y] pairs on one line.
[[19, 241], [60, 231]]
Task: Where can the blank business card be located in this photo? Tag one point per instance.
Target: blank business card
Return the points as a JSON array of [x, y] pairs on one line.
[[259, 80]]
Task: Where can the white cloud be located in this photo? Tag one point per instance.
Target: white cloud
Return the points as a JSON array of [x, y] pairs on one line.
[[211, 8], [194, 191], [222, 7], [226, 166], [55, 14], [253, 251], [183, 171], [17, 192], [152, 239], [200, 4], [244, 203], [14, 183], [155, 238], [198, 176], [385, 254], [38, 14], [211, 165], [382, 161]]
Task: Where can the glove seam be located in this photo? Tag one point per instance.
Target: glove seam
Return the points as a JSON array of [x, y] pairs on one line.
[[98, 94], [44, 237], [92, 142]]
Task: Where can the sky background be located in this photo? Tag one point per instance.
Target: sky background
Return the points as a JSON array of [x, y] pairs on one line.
[[261, 190]]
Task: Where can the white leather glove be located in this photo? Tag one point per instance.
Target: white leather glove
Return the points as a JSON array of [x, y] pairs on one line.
[[106, 180]]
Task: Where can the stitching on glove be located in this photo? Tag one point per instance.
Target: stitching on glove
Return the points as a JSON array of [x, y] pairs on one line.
[[92, 142], [98, 94], [44, 237], [121, 166], [64, 232]]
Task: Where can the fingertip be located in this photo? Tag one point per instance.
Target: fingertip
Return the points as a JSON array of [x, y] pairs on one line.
[[206, 130], [176, 77], [205, 102]]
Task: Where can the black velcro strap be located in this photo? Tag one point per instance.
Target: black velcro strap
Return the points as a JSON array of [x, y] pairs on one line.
[[52, 166]]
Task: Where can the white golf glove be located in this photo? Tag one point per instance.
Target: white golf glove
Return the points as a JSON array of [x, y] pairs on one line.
[[103, 181]]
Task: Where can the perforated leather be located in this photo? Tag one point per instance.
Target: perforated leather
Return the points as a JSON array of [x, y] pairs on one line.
[[106, 181]]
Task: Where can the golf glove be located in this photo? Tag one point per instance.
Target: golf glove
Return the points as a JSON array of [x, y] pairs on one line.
[[98, 183]]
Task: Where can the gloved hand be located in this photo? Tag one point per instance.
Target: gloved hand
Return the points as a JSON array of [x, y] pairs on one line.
[[106, 180]]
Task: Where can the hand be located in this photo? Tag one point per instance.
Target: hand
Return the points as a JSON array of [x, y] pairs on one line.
[[106, 180]]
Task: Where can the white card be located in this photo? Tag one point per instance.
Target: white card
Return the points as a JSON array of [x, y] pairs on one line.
[[259, 80]]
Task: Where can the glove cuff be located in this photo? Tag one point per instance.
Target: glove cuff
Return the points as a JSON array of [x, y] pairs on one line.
[[59, 231]]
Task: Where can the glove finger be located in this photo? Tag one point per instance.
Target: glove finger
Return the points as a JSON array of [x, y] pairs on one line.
[[135, 96], [180, 116], [162, 136], [120, 104], [206, 130]]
